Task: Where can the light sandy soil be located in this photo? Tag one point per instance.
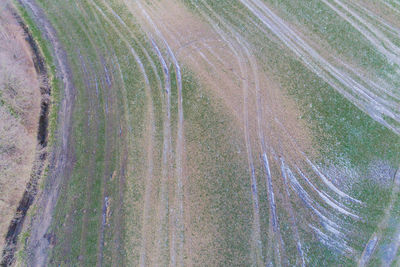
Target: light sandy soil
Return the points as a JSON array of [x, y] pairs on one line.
[[19, 116]]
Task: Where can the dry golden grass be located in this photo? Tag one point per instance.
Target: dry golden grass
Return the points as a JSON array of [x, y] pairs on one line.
[[19, 115]]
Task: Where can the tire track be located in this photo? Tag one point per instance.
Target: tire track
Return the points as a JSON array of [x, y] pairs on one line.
[[368, 30], [146, 230], [90, 167], [177, 213], [324, 197], [111, 120], [381, 23], [91, 79], [392, 5], [337, 242], [249, 72], [338, 234], [259, 261], [292, 215], [364, 98], [109, 145], [145, 240], [125, 146], [329, 200], [377, 236], [162, 231], [279, 248]]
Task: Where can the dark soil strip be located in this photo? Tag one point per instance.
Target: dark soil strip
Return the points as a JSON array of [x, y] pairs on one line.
[[41, 153]]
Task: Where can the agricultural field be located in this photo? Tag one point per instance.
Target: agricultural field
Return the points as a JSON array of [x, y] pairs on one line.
[[208, 133]]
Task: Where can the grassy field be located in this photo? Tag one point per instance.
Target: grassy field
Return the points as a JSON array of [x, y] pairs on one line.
[[228, 133]]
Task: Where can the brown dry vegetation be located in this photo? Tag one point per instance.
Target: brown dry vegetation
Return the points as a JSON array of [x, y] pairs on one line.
[[19, 116]]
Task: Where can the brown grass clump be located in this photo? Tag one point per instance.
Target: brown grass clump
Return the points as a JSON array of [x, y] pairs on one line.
[[19, 116]]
